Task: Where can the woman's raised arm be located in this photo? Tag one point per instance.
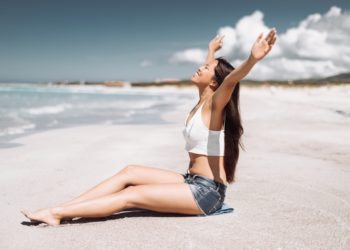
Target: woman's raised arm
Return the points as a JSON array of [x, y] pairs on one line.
[[214, 45], [260, 49]]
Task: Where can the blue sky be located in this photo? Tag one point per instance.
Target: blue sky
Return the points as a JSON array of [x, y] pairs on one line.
[[126, 40]]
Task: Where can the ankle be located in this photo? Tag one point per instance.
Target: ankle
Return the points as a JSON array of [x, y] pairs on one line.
[[57, 212]]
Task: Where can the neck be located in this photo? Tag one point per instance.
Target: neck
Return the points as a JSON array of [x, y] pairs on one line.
[[204, 93]]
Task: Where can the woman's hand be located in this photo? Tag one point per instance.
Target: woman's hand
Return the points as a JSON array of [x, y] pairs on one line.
[[262, 47], [216, 43]]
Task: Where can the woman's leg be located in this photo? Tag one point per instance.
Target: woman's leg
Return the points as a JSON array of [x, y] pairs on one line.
[[129, 175], [168, 198], [113, 184]]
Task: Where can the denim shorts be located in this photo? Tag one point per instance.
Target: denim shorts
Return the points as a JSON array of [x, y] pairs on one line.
[[208, 193]]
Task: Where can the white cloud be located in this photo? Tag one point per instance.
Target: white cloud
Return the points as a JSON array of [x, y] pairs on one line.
[[145, 63], [287, 68], [189, 55], [318, 46]]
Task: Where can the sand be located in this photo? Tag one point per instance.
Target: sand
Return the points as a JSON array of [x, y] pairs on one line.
[[292, 188]]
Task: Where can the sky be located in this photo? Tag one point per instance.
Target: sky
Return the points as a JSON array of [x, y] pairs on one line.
[[154, 40]]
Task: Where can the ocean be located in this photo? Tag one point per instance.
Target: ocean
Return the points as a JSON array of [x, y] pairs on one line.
[[30, 108]]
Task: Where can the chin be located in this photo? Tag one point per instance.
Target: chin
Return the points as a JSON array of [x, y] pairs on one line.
[[193, 79]]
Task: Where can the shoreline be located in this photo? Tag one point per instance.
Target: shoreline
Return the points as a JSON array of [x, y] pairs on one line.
[[188, 85]]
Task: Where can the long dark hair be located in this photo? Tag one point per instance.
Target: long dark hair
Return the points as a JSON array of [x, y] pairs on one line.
[[233, 125]]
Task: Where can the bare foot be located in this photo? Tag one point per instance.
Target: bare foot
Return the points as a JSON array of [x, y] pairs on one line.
[[31, 220], [44, 215]]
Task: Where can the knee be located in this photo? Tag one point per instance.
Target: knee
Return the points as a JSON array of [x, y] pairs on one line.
[[129, 196], [129, 169], [129, 172]]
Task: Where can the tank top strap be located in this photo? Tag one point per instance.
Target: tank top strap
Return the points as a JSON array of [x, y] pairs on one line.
[[200, 113]]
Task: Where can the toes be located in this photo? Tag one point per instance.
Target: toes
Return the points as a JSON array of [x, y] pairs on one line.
[[26, 214], [45, 218]]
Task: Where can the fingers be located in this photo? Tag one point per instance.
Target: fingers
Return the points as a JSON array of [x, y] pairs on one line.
[[259, 37], [222, 37], [219, 38], [273, 40], [268, 46], [271, 36], [268, 37]]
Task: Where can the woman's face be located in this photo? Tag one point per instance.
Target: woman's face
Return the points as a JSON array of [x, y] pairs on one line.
[[205, 73]]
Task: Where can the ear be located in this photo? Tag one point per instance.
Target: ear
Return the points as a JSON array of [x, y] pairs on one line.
[[213, 85]]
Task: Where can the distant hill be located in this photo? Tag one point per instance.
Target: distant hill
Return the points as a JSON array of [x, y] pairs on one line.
[[340, 77], [313, 82], [343, 78]]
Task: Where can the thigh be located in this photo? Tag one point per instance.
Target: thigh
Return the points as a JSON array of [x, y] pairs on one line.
[[143, 175], [169, 198]]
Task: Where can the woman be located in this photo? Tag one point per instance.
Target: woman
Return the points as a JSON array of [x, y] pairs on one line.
[[212, 133]]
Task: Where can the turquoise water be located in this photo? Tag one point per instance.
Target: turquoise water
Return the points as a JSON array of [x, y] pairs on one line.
[[28, 108]]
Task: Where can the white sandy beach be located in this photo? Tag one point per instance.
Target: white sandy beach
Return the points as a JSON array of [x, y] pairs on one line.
[[292, 188]]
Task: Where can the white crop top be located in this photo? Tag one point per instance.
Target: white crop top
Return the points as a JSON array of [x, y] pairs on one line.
[[201, 140]]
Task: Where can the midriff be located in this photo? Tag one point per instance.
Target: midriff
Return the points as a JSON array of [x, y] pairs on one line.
[[208, 166]]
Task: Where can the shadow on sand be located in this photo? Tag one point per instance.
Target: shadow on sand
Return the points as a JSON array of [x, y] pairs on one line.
[[136, 212]]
